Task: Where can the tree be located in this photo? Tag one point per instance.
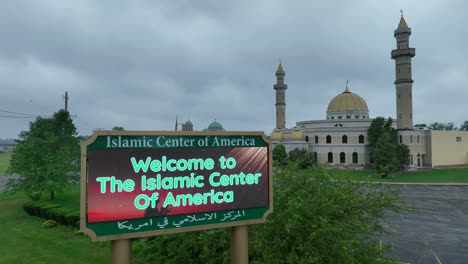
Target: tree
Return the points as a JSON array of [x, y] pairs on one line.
[[118, 128], [403, 155], [437, 126], [279, 154], [301, 157], [377, 127], [420, 126], [47, 155], [450, 126], [375, 130], [388, 127], [442, 126], [464, 126], [385, 154]]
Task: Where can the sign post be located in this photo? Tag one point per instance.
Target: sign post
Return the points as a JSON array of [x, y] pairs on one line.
[[146, 183], [239, 245], [121, 251]]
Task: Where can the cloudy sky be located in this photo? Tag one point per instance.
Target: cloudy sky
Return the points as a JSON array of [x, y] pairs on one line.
[[139, 64]]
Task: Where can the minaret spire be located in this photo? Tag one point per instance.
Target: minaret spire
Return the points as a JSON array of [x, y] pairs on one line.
[[280, 88], [403, 79]]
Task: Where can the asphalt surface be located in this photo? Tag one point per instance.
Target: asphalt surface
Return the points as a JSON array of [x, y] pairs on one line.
[[437, 230]]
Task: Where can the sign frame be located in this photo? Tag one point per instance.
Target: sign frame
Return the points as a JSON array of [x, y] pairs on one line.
[[84, 183]]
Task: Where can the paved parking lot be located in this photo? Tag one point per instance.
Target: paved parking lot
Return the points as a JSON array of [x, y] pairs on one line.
[[437, 231]]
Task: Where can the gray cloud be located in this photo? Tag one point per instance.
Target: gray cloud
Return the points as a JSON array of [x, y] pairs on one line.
[[138, 64]]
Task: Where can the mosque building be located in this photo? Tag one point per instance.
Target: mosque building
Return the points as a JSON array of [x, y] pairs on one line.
[[188, 126], [341, 138]]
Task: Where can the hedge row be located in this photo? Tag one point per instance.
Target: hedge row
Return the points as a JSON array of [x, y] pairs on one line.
[[57, 212]]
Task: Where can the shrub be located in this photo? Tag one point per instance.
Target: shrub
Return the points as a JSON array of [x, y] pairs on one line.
[[279, 154], [211, 246], [36, 207], [45, 211], [301, 157], [72, 218], [53, 211]]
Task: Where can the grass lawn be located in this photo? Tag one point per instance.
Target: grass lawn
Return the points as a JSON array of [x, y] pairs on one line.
[[4, 162], [23, 240], [69, 197], [452, 175]]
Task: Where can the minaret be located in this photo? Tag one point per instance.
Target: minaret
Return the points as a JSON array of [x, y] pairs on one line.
[[280, 88], [403, 82]]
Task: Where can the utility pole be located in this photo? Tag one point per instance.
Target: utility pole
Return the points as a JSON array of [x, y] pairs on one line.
[[66, 101]]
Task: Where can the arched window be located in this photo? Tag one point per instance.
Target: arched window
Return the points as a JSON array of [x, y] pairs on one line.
[[411, 139], [401, 139], [342, 157], [328, 139], [361, 139], [315, 156], [307, 138], [344, 139], [417, 138], [371, 157], [355, 157], [330, 157], [316, 139]]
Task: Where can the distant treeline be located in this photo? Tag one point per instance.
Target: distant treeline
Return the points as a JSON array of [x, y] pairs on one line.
[[7, 141]]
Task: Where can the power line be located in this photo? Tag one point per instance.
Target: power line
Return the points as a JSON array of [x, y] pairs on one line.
[[16, 113], [17, 116]]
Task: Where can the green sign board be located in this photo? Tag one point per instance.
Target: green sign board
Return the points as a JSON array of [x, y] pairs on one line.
[[136, 184]]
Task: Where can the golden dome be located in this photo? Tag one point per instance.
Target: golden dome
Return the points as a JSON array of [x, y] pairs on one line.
[[276, 134], [347, 101], [297, 134]]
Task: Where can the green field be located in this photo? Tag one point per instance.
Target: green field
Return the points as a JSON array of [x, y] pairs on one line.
[[4, 162], [24, 240], [69, 197], [452, 175]]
